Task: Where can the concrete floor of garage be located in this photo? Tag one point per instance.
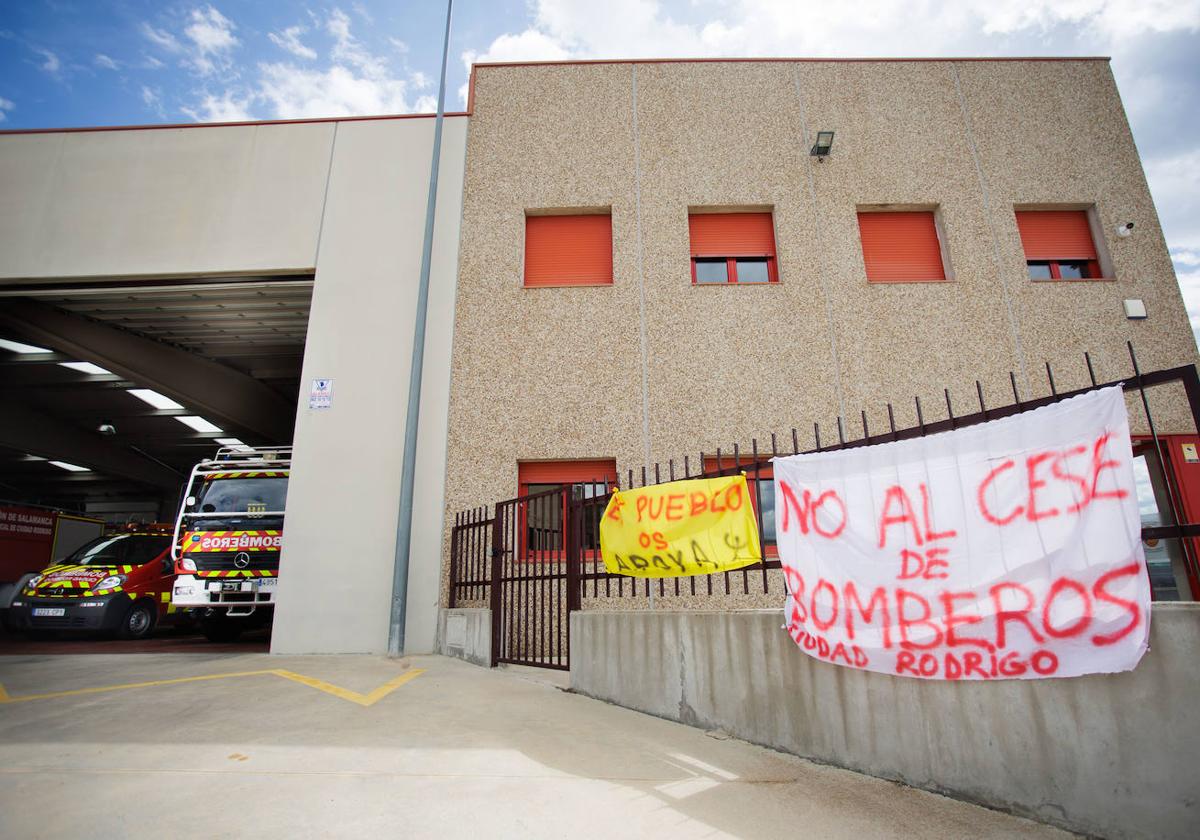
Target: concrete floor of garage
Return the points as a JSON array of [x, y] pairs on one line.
[[455, 751]]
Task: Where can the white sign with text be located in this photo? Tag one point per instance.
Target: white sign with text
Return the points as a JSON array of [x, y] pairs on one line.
[[1007, 550]]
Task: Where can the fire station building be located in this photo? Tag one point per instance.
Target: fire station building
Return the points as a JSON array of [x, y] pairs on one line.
[[633, 261]]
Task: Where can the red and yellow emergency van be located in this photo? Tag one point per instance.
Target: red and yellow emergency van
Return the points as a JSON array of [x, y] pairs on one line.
[[228, 537], [117, 583]]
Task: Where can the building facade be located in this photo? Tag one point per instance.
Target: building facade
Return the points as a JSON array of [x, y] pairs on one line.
[[953, 234]]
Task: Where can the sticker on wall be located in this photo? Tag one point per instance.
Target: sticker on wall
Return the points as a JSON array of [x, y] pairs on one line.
[[322, 394], [1189, 453]]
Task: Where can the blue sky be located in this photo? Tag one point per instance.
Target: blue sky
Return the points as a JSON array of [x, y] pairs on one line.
[[104, 62]]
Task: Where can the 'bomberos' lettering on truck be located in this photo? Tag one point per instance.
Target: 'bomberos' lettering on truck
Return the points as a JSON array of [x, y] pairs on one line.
[[244, 539], [228, 537]]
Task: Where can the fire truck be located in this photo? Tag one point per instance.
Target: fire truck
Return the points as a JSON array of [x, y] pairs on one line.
[[227, 539]]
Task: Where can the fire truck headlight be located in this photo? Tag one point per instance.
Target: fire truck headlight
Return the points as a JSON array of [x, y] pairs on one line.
[[187, 564], [110, 582], [33, 581]]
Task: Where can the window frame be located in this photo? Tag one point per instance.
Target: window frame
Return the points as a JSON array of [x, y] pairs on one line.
[[1099, 267], [1092, 267], [731, 257], [731, 269], [598, 472]]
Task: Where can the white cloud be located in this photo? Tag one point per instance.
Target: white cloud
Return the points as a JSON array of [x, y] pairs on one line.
[[530, 45], [5, 105], [102, 60], [161, 38], [1175, 184], [289, 40], [206, 45], [227, 107], [211, 34], [152, 99], [50, 61], [355, 81], [291, 91]]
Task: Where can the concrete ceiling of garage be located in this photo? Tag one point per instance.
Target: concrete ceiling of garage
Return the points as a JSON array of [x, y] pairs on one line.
[[228, 349]]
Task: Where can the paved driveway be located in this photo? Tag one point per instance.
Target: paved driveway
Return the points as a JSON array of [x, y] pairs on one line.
[[259, 746]]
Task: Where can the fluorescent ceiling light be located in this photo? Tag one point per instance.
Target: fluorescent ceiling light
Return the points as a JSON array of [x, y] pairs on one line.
[[234, 444], [63, 465], [18, 347], [154, 398], [200, 425], [85, 367], [34, 458]]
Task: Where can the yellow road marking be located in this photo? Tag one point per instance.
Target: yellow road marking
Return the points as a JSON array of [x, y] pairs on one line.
[[368, 699]]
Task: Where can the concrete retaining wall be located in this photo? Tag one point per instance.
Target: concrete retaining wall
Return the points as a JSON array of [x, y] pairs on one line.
[[466, 634], [1109, 755]]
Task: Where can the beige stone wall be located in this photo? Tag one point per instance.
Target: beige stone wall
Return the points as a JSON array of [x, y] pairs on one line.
[[555, 373]]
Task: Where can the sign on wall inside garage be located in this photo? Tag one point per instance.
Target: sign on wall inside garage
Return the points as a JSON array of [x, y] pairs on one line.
[[322, 394], [1007, 550]]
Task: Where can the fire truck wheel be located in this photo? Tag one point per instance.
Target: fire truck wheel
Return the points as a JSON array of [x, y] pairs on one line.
[[221, 630], [139, 621]]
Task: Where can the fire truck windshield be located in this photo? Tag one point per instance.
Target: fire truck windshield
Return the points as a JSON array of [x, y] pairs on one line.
[[248, 501]]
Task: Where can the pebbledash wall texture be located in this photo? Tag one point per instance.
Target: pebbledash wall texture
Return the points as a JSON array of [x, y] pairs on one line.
[[652, 367]]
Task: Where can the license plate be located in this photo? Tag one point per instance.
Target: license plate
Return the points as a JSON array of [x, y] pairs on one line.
[[49, 612], [267, 583]]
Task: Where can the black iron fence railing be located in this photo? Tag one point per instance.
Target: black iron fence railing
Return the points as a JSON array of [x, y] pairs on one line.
[[533, 559]]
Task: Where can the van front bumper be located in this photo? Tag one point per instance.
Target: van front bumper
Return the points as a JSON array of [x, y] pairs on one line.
[[96, 613]]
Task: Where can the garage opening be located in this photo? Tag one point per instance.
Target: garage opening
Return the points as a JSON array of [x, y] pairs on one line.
[[114, 390]]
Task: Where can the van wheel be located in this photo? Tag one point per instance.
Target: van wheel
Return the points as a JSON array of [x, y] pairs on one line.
[[221, 630], [139, 621]]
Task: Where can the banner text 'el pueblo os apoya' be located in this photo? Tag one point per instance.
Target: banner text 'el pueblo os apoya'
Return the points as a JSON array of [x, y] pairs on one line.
[[691, 527]]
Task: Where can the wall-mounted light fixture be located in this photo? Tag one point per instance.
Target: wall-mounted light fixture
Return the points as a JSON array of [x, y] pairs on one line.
[[824, 143]]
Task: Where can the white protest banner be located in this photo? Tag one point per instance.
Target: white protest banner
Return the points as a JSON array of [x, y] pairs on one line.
[[1009, 549]]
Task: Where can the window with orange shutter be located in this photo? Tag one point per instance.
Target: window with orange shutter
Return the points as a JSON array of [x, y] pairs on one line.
[[542, 520], [732, 248], [1058, 244], [901, 247], [568, 250]]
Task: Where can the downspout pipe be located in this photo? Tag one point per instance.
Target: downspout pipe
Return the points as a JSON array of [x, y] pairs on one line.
[[412, 418]]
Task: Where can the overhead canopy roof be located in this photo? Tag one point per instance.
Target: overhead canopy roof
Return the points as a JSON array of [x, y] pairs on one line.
[[227, 350]]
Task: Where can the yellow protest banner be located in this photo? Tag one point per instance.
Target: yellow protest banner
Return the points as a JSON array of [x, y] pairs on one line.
[[693, 527]]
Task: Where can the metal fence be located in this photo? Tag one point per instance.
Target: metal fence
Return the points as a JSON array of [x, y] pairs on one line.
[[535, 558]]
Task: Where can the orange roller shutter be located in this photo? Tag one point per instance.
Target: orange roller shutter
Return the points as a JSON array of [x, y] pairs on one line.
[[732, 234], [1056, 235], [567, 472], [900, 247], [568, 250]]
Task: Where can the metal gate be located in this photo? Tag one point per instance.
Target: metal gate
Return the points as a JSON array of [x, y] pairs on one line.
[[531, 603]]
